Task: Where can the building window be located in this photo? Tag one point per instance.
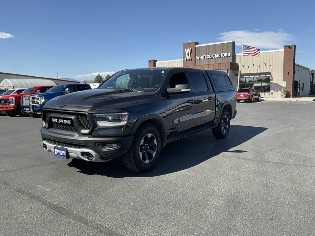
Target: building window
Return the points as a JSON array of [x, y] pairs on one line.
[[259, 83]]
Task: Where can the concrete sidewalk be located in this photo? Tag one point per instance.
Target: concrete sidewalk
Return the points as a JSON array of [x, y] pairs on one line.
[[295, 99]]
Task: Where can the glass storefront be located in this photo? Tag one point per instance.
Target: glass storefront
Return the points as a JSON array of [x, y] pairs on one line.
[[260, 82]]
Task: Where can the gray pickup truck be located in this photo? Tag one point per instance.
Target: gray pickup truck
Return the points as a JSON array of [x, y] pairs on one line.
[[136, 112]]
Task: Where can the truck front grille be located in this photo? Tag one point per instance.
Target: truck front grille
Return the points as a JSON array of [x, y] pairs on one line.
[[84, 121], [63, 127], [25, 101], [80, 123], [34, 100]]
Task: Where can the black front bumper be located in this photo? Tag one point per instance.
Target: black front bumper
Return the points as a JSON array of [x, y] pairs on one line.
[[78, 146]]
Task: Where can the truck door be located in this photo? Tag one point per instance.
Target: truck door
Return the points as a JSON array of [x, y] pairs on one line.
[[204, 98], [179, 105]]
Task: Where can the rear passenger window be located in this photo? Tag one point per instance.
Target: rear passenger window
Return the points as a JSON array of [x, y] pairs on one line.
[[228, 82], [222, 82], [198, 81], [82, 87]]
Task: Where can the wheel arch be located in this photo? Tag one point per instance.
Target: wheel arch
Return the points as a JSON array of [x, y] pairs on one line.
[[227, 107], [154, 120]]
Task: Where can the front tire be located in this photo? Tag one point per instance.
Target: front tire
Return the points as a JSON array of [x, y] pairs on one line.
[[223, 128], [144, 151], [11, 113]]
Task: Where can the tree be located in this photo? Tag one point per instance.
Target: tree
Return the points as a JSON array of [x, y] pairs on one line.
[[107, 77], [98, 79]]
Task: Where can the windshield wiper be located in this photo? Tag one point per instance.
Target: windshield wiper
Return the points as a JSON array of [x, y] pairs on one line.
[[127, 90]]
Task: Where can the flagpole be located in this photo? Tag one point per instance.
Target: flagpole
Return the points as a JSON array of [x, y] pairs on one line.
[[239, 66]]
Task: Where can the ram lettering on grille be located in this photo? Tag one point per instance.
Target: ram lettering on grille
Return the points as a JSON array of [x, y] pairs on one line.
[[61, 121]]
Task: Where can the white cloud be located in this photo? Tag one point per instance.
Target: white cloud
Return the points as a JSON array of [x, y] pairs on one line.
[[92, 75], [4, 35], [265, 40]]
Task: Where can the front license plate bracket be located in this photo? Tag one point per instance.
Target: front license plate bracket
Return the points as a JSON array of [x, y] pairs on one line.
[[61, 152]]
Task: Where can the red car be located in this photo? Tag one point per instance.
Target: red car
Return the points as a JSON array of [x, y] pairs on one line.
[[8, 92], [11, 103], [247, 94]]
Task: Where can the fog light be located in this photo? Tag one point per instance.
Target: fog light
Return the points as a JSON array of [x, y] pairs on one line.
[[87, 155], [107, 146]]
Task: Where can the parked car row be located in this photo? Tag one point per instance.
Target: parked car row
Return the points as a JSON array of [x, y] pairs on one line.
[[30, 101]]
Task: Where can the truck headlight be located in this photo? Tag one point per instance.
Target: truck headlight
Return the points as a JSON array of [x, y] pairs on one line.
[[11, 101], [111, 120]]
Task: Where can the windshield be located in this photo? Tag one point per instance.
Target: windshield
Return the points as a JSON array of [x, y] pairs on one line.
[[8, 92], [243, 90], [135, 80], [56, 89], [29, 90]]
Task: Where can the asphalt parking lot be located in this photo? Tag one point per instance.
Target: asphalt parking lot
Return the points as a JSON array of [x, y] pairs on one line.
[[260, 180]]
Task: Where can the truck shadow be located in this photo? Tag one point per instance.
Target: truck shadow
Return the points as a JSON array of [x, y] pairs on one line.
[[179, 155]]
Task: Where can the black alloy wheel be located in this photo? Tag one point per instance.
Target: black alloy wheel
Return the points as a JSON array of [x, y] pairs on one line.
[[145, 149], [223, 128], [148, 148]]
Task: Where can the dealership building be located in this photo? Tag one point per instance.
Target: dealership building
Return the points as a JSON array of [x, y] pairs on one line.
[[272, 73]]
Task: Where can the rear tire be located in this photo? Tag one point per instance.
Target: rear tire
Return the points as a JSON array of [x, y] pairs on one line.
[[223, 128], [144, 151]]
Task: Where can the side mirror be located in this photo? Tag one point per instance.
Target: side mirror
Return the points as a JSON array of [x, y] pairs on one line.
[[179, 88], [66, 91]]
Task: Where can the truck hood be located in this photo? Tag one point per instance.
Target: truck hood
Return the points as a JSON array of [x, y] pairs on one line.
[[8, 96], [48, 95], [13, 95], [22, 94], [98, 100]]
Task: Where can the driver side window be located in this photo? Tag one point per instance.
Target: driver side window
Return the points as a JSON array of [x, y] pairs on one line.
[[178, 78]]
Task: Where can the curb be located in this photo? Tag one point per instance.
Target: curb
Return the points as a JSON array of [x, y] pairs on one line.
[[304, 99]]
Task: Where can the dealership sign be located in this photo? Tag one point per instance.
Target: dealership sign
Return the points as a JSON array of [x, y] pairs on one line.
[[188, 54], [213, 56]]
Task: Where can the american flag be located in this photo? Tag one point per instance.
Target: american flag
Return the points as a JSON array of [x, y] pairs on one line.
[[250, 50]]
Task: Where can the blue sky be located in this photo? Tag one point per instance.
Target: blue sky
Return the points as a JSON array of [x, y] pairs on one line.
[[77, 38]]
